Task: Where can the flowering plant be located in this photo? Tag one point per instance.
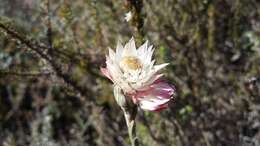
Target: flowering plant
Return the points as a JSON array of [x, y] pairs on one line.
[[137, 82], [133, 71]]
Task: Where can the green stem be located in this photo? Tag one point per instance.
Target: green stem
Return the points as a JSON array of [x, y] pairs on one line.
[[130, 121], [130, 111]]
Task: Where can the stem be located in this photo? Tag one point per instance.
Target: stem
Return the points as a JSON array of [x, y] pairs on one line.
[[137, 22], [130, 111], [130, 122]]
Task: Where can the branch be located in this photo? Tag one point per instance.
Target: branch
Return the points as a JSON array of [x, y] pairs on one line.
[[24, 74], [42, 51], [137, 22]]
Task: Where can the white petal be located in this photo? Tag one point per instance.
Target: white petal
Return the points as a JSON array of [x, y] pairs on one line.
[[142, 49], [130, 49], [119, 50], [152, 103], [150, 76], [111, 54], [117, 76], [149, 55], [150, 81], [159, 67], [132, 43], [128, 16], [144, 83]]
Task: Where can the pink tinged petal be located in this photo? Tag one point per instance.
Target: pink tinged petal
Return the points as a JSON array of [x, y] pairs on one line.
[[106, 73], [150, 78], [153, 104], [156, 97], [163, 87], [161, 107]]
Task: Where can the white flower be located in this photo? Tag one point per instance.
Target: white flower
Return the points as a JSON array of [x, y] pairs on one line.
[[133, 71], [128, 16]]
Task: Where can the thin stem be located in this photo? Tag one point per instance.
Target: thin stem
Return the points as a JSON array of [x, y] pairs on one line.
[[40, 48], [130, 122], [130, 111], [137, 22], [24, 74]]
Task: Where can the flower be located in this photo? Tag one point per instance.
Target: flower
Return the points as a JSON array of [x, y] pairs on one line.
[[134, 72], [128, 16]]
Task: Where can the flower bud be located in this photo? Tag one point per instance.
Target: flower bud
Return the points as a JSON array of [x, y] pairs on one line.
[[119, 96]]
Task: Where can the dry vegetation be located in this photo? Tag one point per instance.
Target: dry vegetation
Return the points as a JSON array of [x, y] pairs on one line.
[[52, 93]]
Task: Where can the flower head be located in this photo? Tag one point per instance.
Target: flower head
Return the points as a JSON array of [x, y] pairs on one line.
[[134, 72]]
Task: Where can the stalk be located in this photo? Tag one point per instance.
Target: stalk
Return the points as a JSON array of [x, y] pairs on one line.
[[131, 125], [130, 111]]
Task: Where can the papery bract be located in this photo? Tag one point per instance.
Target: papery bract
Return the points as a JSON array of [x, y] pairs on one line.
[[133, 71]]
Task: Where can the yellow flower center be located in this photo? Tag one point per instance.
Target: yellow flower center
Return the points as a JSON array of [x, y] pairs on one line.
[[130, 62]]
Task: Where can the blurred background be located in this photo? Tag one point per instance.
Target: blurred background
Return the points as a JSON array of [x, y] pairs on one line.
[[52, 92]]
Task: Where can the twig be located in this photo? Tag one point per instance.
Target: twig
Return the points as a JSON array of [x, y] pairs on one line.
[[16, 73], [49, 25], [135, 6], [40, 49]]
